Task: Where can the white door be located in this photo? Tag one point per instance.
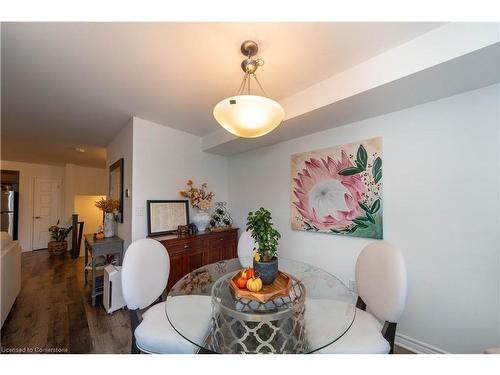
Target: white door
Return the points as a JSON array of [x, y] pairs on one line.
[[45, 210]]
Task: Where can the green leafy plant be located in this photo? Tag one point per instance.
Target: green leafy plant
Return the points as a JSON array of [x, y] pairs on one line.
[[263, 232], [58, 233]]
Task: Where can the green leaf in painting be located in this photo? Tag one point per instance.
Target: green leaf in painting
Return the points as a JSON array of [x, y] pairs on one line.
[[334, 231], [360, 166], [377, 176], [363, 218], [364, 206], [377, 165], [362, 156], [353, 229], [370, 217], [360, 223], [375, 206], [350, 171]]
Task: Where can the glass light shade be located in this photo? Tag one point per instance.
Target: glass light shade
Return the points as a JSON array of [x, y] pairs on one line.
[[249, 116]]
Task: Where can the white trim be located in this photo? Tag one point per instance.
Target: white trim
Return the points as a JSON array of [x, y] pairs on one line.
[[416, 346]]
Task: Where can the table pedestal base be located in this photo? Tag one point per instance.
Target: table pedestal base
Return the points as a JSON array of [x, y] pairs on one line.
[[255, 327]]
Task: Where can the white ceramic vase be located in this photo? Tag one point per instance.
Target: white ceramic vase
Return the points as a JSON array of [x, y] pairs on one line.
[[201, 219], [109, 224]]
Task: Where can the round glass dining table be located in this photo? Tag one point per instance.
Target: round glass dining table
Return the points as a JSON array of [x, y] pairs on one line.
[[318, 310]]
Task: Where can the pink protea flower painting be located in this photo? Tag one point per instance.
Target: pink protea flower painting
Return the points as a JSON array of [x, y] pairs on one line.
[[338, 190]]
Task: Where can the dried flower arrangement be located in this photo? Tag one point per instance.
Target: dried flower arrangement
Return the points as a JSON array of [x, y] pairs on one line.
[[198, 197], [108, 205], [196, 281]]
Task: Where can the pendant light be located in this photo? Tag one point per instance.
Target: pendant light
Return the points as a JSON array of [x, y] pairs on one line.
[[247, 115]]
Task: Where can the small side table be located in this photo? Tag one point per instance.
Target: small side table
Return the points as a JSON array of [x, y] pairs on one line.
[[106, 246]]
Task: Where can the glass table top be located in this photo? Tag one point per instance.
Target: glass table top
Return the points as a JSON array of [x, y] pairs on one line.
[[204, 310]]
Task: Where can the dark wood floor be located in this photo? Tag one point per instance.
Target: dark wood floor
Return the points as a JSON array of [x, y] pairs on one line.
[[400, 350], [53, 311], [53, 314]]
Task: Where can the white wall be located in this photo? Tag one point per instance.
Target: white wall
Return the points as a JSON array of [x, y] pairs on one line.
[[441, 207], [163, 160], [121, 147], [82, 181], [498, 135], [73, 179], [27, 174]]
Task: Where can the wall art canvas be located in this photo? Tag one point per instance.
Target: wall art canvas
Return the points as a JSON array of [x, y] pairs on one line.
[[338, 190]]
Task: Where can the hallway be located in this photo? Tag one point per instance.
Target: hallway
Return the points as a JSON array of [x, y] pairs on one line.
[[53, 314]]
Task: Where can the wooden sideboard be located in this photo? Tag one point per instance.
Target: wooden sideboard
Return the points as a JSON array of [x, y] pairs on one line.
[[189, 252]]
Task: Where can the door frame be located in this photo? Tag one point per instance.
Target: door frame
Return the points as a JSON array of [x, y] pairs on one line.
[[58, 201]]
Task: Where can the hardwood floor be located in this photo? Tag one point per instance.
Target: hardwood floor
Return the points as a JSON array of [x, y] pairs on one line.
[[401, 350], [53, 313]]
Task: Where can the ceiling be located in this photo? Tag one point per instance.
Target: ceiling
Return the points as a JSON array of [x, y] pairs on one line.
[[75, 85]]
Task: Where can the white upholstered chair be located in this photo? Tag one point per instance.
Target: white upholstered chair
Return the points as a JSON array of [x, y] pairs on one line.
[[246, 245], [381, 284], [145, 271]]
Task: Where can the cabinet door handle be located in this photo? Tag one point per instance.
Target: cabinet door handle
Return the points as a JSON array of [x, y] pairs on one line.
[[186, 246], [221, 239]]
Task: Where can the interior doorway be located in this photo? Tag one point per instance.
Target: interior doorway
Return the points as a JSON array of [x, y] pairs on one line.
[[88, 213], [46, 198]]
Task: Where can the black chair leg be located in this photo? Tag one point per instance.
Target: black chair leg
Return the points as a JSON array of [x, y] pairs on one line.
[[360, 304], [389, 333], [134, 323]]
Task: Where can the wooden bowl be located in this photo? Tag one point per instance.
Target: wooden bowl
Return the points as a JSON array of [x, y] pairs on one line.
[[279, 288]]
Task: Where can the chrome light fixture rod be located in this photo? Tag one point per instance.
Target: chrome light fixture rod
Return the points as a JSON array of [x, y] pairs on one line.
[[249, 65], [249, 115]]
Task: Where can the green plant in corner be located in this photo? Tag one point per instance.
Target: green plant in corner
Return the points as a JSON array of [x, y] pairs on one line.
[[58, 233], [264, 234]]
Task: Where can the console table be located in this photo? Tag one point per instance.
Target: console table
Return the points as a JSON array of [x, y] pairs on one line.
[[189, 252], [103, 247]]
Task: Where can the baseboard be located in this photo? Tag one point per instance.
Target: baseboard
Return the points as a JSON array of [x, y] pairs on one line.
[[416, 346]]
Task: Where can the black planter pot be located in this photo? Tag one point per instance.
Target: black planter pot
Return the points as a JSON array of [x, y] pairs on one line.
[[266, 270]]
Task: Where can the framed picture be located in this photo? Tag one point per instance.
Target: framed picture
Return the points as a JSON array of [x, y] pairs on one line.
[[338, 190], [116, 185], [164, 217]]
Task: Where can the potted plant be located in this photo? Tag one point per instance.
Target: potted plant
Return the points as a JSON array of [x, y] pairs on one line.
[[58, 234], [200, 199], [265, 262], [108, 207]]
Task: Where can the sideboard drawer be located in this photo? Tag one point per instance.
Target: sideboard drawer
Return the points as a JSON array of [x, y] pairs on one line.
[[221, 238], [183, 246]]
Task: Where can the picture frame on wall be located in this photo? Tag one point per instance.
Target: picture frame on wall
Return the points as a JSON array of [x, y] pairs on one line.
[[116, 185], [339, 190], [165, 216]]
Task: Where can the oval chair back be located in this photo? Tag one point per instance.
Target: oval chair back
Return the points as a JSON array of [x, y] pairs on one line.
[[145, 271], [381, 282], [246, 245]]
